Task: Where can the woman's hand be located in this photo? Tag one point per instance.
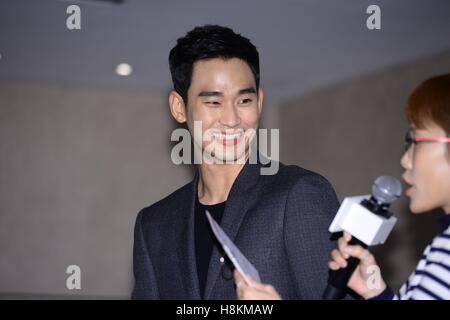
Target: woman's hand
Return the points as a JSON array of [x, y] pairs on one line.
[[257, 290], [366, 280]]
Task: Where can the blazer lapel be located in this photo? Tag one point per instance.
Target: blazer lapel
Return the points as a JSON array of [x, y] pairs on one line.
[[238, 203], [187, 245]]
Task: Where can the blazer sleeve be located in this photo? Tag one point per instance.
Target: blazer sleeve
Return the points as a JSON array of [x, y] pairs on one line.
[[145, 286], [310, 207]]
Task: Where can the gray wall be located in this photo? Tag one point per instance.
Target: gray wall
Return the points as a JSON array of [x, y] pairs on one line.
[[75, 168], [353, 132]]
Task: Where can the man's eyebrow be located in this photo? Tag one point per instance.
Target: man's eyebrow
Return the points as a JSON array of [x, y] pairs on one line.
[[210, 94], [247, 90]]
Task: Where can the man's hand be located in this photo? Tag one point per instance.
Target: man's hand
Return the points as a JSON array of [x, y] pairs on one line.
[[257, 290]]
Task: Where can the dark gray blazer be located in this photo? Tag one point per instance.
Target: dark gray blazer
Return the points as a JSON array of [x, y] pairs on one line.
[[279, 222]]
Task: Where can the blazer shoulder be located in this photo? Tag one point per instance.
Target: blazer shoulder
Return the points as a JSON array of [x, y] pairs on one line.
[[168, 204], [296, 176]]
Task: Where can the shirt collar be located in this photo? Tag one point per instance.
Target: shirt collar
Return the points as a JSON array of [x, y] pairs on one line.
[[445, 220]]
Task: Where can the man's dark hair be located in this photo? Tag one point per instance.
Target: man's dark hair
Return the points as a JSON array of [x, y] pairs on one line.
[[207, 42]]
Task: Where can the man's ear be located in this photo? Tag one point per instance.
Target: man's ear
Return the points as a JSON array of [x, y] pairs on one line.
[[177, 107], [260, 101]]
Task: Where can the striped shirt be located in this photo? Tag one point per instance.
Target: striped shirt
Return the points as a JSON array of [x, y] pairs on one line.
[[431, 279]]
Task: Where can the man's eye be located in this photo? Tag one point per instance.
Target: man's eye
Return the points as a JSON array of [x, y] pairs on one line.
[[213, 103], [245, 101]]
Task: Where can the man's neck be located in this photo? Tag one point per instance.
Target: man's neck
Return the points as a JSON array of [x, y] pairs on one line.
[[215, 181]]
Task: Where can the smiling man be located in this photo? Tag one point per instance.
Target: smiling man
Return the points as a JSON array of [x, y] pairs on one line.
[[278, 221]]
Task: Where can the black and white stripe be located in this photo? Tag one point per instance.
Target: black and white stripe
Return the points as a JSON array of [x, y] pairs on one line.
[[431, 279]]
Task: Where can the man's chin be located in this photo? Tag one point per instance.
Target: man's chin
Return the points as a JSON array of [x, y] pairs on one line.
[[223, 158]]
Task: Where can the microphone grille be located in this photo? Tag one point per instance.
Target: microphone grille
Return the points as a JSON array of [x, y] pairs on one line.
[[386, 189]]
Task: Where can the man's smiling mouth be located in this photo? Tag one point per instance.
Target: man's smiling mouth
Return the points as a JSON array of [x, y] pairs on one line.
[[228, 138]]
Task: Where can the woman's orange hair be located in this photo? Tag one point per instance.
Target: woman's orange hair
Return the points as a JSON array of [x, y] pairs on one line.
[[430, 102]]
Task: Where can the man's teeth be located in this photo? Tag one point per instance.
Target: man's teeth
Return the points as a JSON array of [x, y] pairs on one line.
[[231, 136]]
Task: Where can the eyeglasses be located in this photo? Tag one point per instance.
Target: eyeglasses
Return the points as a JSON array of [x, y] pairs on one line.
[[409, 140]]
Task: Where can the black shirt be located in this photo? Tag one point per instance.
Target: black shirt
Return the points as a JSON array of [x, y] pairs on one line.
[[445, 220], [204, 238]]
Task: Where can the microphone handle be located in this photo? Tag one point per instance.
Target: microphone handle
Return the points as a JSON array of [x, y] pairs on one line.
[[338, 279]]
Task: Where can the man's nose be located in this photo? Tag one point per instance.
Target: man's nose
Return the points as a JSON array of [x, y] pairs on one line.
[[230, 116]]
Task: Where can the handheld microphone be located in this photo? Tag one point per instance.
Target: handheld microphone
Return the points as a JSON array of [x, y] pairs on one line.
[[368, 220]]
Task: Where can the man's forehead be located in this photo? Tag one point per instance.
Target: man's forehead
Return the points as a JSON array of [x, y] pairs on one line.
[[210, 68], [217, 75]]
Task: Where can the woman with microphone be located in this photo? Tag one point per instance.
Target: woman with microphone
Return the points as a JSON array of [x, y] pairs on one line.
[[427, 174]]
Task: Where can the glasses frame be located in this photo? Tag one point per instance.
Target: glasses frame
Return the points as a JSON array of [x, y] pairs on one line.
[[409, 140]]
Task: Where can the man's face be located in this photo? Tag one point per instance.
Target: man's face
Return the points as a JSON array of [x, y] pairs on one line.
[[223, 97]]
